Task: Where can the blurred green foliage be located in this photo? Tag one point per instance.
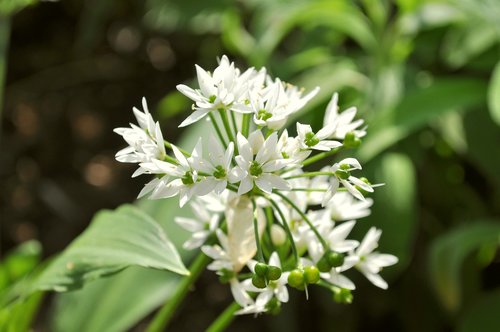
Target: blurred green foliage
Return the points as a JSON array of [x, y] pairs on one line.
[[426, 77]]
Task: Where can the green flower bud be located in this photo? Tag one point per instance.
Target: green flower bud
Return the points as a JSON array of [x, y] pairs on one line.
[[323, 264], [258, 282], [273, 273], [343, 296], [296, 278], [273, 307], [311, 274], [335, 259], [225, 276], [261, 269], [351, 141]]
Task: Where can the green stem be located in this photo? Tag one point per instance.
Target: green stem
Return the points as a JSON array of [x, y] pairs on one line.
[[309, 175], [306, 219], [233, 120], [309, 190], [165, 314], [245, 124], [4, 46], [260, 256], [227, 126], [217, 129], [287, 229], [223, 321], [168, 145], [319, 157]]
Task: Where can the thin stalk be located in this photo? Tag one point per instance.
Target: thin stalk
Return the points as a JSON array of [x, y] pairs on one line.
[[306, 219], [165, 314], [245, 124], [309, 190], [260, 256], [4, 46], [286, 228], [227, 126], [217, 129], [319, 157], [223, 321], [309, 175], [168, 145], [235, 124]]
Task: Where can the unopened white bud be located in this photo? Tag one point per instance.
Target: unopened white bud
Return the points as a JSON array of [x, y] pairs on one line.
[[278, 235]]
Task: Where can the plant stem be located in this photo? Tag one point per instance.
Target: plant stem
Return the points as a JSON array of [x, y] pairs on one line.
[[168, 145], [260, 256], [227, 126], [286, 228], [233, 120], [223, 321], [319, 157], [306, 219], [4, 45], [245, 126], [309, 175], [165, 314], [217, 130]]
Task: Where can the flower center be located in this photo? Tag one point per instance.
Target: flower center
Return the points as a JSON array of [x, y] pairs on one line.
[[187, 179], [264, 115], [212, 98], [343, 172], [255, 169], [311, 139], [220, 172]]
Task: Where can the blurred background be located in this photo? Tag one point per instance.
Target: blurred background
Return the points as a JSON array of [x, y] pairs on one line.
[[425, 75]]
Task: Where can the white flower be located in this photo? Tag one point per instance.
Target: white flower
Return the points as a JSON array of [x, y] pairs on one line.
[[259, 170], [290, 150], [336, 277], [217, 91], [145, 141], [309, 140], [336, 239], [218, 164], [267, 109], [342, 171], [343, 206], [371, 263], [342, 123], [202, 226], [294, 99]]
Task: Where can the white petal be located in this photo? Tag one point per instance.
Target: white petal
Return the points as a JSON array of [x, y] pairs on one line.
[[377, 280], [194, 117], [245, 186]]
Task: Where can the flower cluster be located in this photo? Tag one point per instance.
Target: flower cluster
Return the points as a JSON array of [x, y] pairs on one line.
[[267, 222]]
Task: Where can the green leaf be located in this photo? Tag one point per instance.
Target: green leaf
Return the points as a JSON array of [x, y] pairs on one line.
[[394, 210], [418, 108], [10, 7], [17, 316], [494, 94], [447, 254], [482, 315], [114, 241], [19, 262]]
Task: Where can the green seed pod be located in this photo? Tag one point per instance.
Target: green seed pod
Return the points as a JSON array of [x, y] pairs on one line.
[[311, 274], [335, 259], [273, 273], [258, 282], [261, 269], [296, 278], [343, 296], [323, 264]]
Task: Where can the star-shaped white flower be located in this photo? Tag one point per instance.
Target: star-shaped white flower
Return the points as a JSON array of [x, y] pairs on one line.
[[316, 141], [342, 123], [204, 224]]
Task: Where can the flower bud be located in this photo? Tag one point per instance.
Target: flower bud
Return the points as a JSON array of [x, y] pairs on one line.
[[351, 141], [273, 273], [311, 274], [225, 275], [323, 264], [296, 278], [258, 282], [278, 235], [273, 307], [261, 269]]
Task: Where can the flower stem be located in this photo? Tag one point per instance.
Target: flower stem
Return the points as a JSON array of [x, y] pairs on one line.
[[227, 126], [233, 120], [320, 156], [287, 229], [217, 129], [223, 321], [168, 145], [245, 125], [4, 46], [309, 175], [306, 219], [165, 314]]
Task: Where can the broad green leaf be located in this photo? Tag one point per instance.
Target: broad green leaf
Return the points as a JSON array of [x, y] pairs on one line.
[[418, 108], [447, 254], [394, 209], [114, 241], [10, 7], [494, 94], [482, 315], [99, 305], [18, 315], [19, 262]]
